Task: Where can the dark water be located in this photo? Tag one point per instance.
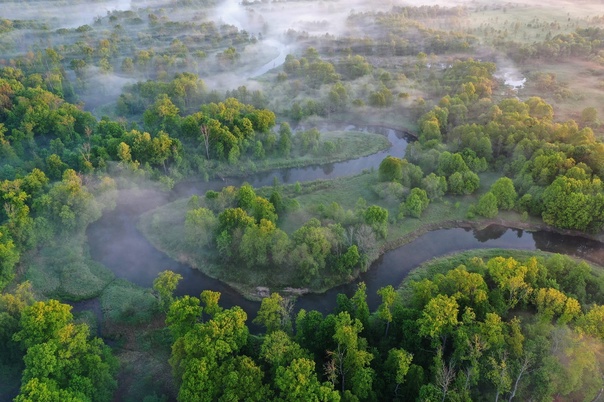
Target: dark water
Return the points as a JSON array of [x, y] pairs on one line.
[[115, 241]]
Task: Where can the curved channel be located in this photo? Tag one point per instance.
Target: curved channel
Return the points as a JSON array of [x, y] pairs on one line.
[[115, 241]]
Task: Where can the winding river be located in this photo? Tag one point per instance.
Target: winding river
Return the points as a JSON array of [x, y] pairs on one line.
[[115, 241]]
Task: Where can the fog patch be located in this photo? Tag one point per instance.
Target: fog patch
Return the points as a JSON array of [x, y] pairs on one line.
[[509, 73], [63, 16], [102, 88]]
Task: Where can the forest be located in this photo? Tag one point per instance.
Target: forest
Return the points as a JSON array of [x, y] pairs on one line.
[[214, 200]]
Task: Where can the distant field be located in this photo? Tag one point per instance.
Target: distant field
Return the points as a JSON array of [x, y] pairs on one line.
[[584, 81]]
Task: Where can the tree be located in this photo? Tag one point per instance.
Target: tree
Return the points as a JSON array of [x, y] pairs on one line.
[[505, 193], [439, 318], [592, 323], [311, 247], [9, 256], [430, 130], [391, 169], [274, 313], [61, 362], [41, 322], [348, 260], [210, 300], [205, 136], [510, 276], [499, 374], [487, 205], [435, 186], [359, 302], [398, 363], [298, 383], [202, 357], [384, 312], [551, 302], [246, 197], [589, 116], [200, 225], [417, 201], [456, 184], [164, 286], [279, 350], [183, 313], [263, 209], [377, 218], [350, 360], [234, 218], [574, 204], [285, 140]]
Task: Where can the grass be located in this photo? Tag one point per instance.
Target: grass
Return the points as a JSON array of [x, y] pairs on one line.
[[123, 302], [63, 270]]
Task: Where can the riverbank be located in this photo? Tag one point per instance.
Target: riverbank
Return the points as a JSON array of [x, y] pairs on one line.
[[334, 146]]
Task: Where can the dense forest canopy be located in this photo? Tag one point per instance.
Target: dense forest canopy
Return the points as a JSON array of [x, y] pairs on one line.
[[142, 120]]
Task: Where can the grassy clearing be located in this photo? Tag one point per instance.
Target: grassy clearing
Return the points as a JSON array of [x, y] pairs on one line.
[[64, 270]]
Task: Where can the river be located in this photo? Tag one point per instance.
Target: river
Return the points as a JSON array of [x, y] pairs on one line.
[[115, 241]]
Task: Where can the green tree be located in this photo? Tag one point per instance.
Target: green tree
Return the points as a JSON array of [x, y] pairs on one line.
[[210, 300], [359, 301], [417, 201], [164, 286], [391, 169], [279, 350], [285, 140], [435, 186], [298, 383], [200, 225], [384, 312], [41, 322], [439, 318], [503, 189], [184, 312], [397, 367], [61, 361], [487, 205], [350, 361], [377, 218], [274, 313], [246, 196], [574, 204], [9, 256]]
